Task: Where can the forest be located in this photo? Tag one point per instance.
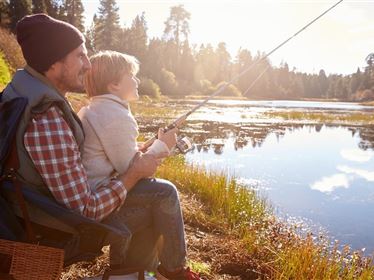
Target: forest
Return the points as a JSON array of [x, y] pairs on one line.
[[173, 67]]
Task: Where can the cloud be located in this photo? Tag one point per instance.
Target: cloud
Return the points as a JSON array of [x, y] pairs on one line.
[[331, 183], [366, 174], [357, 155]]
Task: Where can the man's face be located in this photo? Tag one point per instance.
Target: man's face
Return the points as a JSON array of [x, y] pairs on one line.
[[72, 70]]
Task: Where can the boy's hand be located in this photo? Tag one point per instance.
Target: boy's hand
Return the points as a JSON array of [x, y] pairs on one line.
[[169, 137], [142, 166]]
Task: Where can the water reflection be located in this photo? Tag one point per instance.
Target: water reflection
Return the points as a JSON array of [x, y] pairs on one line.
[[321, 173], [365, 174], [210, 135], [331, 183], [357, 155]]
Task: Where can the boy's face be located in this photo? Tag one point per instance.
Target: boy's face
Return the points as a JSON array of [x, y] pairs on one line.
[[128, 87]]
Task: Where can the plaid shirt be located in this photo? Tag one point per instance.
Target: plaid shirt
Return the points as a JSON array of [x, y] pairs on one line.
[[51, 145]]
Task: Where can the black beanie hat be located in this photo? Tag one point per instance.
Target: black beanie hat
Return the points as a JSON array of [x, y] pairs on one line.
[[45, 40]]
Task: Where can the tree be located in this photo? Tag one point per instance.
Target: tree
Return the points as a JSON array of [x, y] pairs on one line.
[[323, 83], [136, 37], [154, 60], [17, 10], [38, 6], [53, 8], [73, 13], [90, 36], [207, 62], [243, 61], [4, 13], [224, 63], [177, 26], [186, 67], [107, 27]]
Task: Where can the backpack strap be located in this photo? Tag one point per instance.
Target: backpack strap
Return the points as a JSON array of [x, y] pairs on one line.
[[12, 164], [10, 116]]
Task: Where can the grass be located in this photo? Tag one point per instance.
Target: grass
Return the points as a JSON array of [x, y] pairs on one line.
[[228, 201], [147, 108], [221, 97], [277, 251], [356, 118]]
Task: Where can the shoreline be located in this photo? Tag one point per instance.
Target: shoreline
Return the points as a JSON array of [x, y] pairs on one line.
[[232, 233]]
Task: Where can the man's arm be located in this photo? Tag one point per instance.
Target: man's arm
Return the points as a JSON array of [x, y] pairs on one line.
[[55, 153]]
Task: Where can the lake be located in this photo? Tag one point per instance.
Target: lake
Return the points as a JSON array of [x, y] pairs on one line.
[[321, 174]]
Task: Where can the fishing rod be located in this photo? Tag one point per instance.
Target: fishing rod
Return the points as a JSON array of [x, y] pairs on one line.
[[179, 121]]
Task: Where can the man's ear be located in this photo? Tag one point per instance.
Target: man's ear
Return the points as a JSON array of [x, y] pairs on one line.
[[53, 70]]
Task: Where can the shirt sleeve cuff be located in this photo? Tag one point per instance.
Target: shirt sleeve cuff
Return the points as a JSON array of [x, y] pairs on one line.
[[120, 189], [158, 148]]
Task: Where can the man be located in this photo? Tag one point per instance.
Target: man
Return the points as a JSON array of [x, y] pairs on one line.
[[49, 143]]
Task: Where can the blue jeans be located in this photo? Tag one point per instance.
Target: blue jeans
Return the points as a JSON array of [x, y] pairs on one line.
[[153, 214]]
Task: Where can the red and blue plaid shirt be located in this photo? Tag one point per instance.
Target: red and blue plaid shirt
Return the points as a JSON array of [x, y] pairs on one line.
[[52, 147]]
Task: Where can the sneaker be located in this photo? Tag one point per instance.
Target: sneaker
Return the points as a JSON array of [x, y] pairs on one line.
[[184, 274]]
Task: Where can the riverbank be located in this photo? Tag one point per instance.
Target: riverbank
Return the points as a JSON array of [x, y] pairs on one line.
[[370, 103], [232, 233], [323, 118]]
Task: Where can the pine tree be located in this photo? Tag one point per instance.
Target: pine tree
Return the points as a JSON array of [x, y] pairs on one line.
[[90, 36], [17, 10], [39, 6], [187, 64], [176, 29], [73, 13], [107, 28], [323, 83], [53, 8], [137, 37], [243, 61], [4, 13], [224, 63], [177, 26]]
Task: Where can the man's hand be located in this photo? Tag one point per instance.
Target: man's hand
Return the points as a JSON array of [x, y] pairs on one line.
[[142, 166], [169, 137]]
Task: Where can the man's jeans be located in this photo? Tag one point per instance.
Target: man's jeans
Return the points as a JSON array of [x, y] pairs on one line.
[[152, 213]]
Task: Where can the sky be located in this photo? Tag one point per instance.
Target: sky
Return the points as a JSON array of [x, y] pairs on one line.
[[338, 42]]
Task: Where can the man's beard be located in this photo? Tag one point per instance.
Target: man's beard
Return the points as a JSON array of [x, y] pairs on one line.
[[71, 84]]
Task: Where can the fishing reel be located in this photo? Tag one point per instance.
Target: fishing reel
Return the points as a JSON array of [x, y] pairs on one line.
[[184, 145]]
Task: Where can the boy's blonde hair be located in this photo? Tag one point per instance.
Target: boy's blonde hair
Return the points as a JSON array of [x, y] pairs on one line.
[[108, 67]]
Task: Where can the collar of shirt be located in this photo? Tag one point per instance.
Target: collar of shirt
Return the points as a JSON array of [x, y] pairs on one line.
[[112, 97], [40, 77]]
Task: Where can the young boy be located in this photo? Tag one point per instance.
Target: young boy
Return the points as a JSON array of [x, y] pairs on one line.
[[110, 145], [110, 128]]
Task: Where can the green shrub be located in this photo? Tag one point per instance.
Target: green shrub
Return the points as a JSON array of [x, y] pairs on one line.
[[5, 74], [231, 90], [149, 87], [11, 50], [168, 82]]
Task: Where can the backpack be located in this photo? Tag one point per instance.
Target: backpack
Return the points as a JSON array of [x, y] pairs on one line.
[[10, 113]]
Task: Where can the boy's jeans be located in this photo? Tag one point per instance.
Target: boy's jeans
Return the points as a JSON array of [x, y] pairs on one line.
[[152, 213]]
